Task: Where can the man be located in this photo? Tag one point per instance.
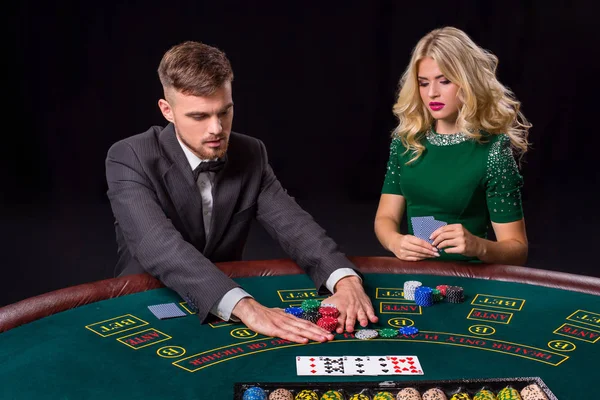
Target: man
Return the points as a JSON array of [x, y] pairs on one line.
[[184, 197]]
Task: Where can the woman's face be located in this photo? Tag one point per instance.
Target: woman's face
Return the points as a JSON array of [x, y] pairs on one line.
[[438, 94]]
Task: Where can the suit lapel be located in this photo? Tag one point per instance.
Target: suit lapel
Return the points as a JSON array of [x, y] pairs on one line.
[[179, 181], [226, 190]]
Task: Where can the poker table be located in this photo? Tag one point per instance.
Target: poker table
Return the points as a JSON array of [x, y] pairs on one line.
[[99, 340]]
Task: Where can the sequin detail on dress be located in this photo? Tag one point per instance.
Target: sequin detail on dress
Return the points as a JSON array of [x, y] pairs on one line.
[[438, 139], [504, 178]]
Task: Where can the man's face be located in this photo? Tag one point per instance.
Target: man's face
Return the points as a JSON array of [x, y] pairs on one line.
[[202, 123]]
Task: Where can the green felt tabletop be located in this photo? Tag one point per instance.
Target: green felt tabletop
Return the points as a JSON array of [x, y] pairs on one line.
[[117, 349]]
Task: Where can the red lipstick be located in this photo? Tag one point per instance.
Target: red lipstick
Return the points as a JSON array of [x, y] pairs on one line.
[[435, 106]]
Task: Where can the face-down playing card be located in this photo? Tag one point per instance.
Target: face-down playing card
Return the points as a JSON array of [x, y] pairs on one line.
[[167, 310], [423, 227]]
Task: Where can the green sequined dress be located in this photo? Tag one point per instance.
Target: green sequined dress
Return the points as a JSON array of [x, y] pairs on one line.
[[457, 180]]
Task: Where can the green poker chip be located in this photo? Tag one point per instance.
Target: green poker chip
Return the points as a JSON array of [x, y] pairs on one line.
[[311, 305], [388, 333]]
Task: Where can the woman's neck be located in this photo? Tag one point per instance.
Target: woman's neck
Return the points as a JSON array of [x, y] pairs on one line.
[[445, 127]]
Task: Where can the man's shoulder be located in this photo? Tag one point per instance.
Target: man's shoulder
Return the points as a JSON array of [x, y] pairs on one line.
[[241, 139], [143, 139]]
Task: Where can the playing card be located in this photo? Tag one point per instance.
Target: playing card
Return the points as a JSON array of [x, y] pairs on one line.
[[359, 365], [167, 310], [423, 227], [402, 365], [319, 365]]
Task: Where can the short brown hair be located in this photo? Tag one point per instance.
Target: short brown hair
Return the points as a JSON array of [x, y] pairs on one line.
[[194, 68]]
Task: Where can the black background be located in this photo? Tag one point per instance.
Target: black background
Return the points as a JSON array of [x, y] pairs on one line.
[[314, 80]]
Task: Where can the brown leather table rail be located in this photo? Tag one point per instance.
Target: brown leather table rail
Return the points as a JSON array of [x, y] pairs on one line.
[[37, 307]]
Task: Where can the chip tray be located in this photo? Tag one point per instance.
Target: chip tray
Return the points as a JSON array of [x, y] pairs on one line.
[[370, 388]]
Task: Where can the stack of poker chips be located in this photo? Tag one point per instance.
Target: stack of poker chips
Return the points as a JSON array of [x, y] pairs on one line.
[[255, 393], [408, 330], [484, 394], [442, 289], [424, 296], [434, 394], [408, 393], [295, 311], [329, 314], [324, 315], [366, 334], [509, 393], [460, 396], [388, 333], [281, 394], [533, 392], [359, 396], [307, 394], [437, 295], [384, 396], [455, 294], [409, 289], [311, 310], [332, 395]]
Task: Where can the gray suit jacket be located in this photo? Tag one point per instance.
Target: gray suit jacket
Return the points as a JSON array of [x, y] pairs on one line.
[[158, 212]]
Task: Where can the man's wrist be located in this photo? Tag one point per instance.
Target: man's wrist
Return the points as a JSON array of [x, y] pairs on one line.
[[347, 281]]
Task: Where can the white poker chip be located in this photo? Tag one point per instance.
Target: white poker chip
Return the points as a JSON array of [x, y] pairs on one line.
[[409, 289], [366, 334], [328, 305]]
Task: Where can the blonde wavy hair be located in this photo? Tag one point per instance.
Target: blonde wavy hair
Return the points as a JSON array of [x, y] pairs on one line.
[[487, 105]]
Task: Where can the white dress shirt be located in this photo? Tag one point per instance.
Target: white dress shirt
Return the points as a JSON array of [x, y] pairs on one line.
[[228, 302]]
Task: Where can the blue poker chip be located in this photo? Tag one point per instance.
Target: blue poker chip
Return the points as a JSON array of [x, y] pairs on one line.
[[424, 296], [255, 393], [408, 330], [295, 311]]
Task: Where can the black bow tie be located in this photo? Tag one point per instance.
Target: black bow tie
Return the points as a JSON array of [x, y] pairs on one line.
[[209, 166]]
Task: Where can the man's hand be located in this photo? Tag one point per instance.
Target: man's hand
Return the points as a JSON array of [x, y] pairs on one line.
[[276, 322], [353, 304]]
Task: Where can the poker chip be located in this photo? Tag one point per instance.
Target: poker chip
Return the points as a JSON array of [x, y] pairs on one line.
[[332, 395], [460, 396], [408, 330], [484, 394], [359, 396], [327, 323], [437, 295], [311, 305], [442, 289], [383, 396], [307, 395], [409, 289], [281, 394], [254, 393], [329, 311], [434, 394], [408, 393], [533, 392], [328, 305], [509, 393], [366, 334], [388, 333], [455, 294], [312, 316], [423, 296], [295, 311]]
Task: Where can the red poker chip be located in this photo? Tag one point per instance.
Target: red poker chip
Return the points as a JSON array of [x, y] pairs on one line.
[[329, 312], [442, 289], [327, 323]]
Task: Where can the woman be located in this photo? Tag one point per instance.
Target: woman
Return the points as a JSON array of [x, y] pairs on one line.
[[452, 165]]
